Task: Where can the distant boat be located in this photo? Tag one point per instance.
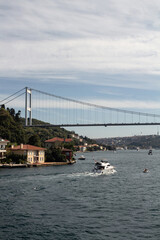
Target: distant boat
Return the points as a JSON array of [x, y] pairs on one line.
[[82, 157], [145, 170], [150, 152]]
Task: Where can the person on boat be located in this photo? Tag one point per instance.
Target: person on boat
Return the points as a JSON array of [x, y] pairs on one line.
[[145, 170]]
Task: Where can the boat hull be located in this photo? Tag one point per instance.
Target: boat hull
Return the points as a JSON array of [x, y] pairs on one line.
[[103, 167]]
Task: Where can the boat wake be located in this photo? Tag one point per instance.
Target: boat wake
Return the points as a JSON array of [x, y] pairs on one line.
[[90, 174], [62, 176], [108, 172]]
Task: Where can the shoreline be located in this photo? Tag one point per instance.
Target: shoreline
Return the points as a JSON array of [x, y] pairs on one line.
[[28, 165]]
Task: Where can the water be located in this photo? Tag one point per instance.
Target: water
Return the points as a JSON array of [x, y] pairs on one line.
[[71, 203]]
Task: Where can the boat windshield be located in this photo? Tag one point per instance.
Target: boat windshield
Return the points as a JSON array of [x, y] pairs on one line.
[[100, 167]]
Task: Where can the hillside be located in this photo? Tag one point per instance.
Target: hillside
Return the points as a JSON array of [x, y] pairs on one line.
[[12, 128], [143, 142]]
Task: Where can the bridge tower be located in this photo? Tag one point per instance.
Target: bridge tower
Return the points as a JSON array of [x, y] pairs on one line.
[[28, 107]]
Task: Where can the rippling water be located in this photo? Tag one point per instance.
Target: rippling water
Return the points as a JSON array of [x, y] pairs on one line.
[[71, 203]]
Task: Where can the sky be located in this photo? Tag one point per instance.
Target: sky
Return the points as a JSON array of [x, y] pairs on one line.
[[105, 52]]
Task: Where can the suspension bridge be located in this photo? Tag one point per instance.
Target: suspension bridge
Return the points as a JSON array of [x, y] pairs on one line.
[[58, 111]]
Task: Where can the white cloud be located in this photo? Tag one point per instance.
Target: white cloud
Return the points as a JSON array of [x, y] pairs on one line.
[[112, 37], [38, 19], [125, 104], [89, 54]]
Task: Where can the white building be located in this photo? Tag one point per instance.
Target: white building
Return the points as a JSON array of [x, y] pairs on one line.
[[33, 154], [3, 144]]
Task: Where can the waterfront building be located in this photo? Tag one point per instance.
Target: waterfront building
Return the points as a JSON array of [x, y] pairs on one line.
[[3, 144], [82, 148], [33, 154], [57, 141]]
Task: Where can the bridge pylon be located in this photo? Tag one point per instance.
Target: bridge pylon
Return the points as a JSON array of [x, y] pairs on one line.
[[28, 107]]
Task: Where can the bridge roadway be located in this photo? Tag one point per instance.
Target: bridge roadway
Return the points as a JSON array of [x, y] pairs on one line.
[[94, 125]]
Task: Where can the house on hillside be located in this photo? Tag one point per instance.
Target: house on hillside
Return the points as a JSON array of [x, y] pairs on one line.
[[57, 141], [33, 154], [3, 143], [82, 148], [76, 136]]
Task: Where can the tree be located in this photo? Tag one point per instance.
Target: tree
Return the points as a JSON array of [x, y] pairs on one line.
[[54, 154], [2, 106], [69, 146], [11, 111], [9, 128], [35, 140], [17, 116], [15, 158]]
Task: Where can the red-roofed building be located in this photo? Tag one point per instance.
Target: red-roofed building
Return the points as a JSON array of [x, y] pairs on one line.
[[33, 154], [57, 140]]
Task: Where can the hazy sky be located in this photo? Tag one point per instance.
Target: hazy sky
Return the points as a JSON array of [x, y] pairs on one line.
[[100, 51]]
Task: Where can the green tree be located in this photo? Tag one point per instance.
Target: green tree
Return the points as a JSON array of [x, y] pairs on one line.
[[69, 146], [35, 140], [54, 154], [9, 128], [15, 158]]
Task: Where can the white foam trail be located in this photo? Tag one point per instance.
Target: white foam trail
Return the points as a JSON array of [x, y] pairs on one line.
[[92, 174], [109, 172]]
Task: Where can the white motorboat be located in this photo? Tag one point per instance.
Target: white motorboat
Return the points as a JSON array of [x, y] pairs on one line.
[[82, 157], [103, 167]]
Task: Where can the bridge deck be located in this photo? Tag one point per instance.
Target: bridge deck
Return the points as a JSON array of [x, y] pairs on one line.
[[94, 124]]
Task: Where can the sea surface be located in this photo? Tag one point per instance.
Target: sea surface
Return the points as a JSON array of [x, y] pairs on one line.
[[72, 203]]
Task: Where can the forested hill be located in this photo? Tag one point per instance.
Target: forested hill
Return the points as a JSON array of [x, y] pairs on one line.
[[142, 141], [12, 129]]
